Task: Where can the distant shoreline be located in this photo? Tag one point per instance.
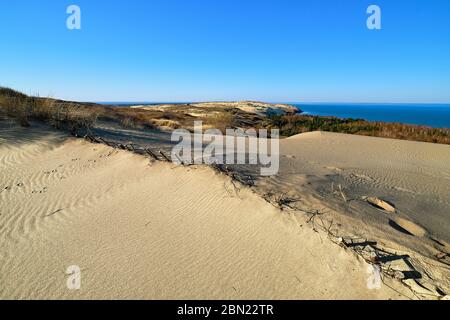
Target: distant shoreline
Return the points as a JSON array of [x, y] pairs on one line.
[[435, 115]]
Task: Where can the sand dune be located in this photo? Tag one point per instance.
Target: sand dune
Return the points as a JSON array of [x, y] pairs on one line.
[[341, 175], [411, 175], [152, 230]]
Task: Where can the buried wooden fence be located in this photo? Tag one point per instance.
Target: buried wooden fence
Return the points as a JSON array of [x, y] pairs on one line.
[[130, 147], [161, 156]]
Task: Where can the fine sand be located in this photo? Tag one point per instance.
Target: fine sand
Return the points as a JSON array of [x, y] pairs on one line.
[[153, 230], [150, 230], [346, 180]]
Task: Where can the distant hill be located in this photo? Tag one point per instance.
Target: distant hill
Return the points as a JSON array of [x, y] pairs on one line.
[[256, 107]]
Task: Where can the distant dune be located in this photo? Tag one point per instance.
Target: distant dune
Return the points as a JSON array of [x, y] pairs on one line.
[[260, 108]]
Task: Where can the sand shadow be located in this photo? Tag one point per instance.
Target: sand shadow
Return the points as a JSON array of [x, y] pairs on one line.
[[397, 227], [12, 133]]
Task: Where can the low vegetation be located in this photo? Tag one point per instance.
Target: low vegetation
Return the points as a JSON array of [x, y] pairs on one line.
[[60, 114], [295, 124], [144, 119], [82, 117]]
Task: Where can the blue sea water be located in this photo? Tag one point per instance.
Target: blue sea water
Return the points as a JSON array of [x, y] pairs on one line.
[[432, 115]]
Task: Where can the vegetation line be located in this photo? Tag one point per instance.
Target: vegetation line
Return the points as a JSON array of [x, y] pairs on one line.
[[79, 118]]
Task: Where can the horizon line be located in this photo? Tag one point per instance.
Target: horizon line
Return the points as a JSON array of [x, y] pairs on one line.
[[263, 101]]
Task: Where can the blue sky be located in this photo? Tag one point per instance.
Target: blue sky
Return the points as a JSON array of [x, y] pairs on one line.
[[197, 50]]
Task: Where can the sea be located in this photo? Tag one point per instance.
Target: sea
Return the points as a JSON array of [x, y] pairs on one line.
[[431, 115]]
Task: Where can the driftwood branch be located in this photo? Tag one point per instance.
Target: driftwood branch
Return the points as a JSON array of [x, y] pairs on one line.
[[164, 156], [151, 154], [342, 194]]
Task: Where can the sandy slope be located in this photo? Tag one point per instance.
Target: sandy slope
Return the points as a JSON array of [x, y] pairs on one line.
[[333, 173], [141, 230], [414, 176]]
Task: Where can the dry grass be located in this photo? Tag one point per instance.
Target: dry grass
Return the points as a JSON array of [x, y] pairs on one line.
[[14, 104], [75, 116], [220, 120], [147, 119], [166, 124], [61, 115]]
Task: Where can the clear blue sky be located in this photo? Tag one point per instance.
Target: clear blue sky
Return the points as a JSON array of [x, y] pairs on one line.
[[196, 50]]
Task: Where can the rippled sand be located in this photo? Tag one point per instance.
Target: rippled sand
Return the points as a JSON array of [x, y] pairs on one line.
[[152, 230]]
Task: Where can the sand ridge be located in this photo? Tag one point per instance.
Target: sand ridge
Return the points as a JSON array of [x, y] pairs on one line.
[[152, 230]]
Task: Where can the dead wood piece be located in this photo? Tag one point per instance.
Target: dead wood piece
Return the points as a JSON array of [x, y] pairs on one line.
[[381, 204], [164, 156], [109, 144], [342, 194], [151, 154]]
